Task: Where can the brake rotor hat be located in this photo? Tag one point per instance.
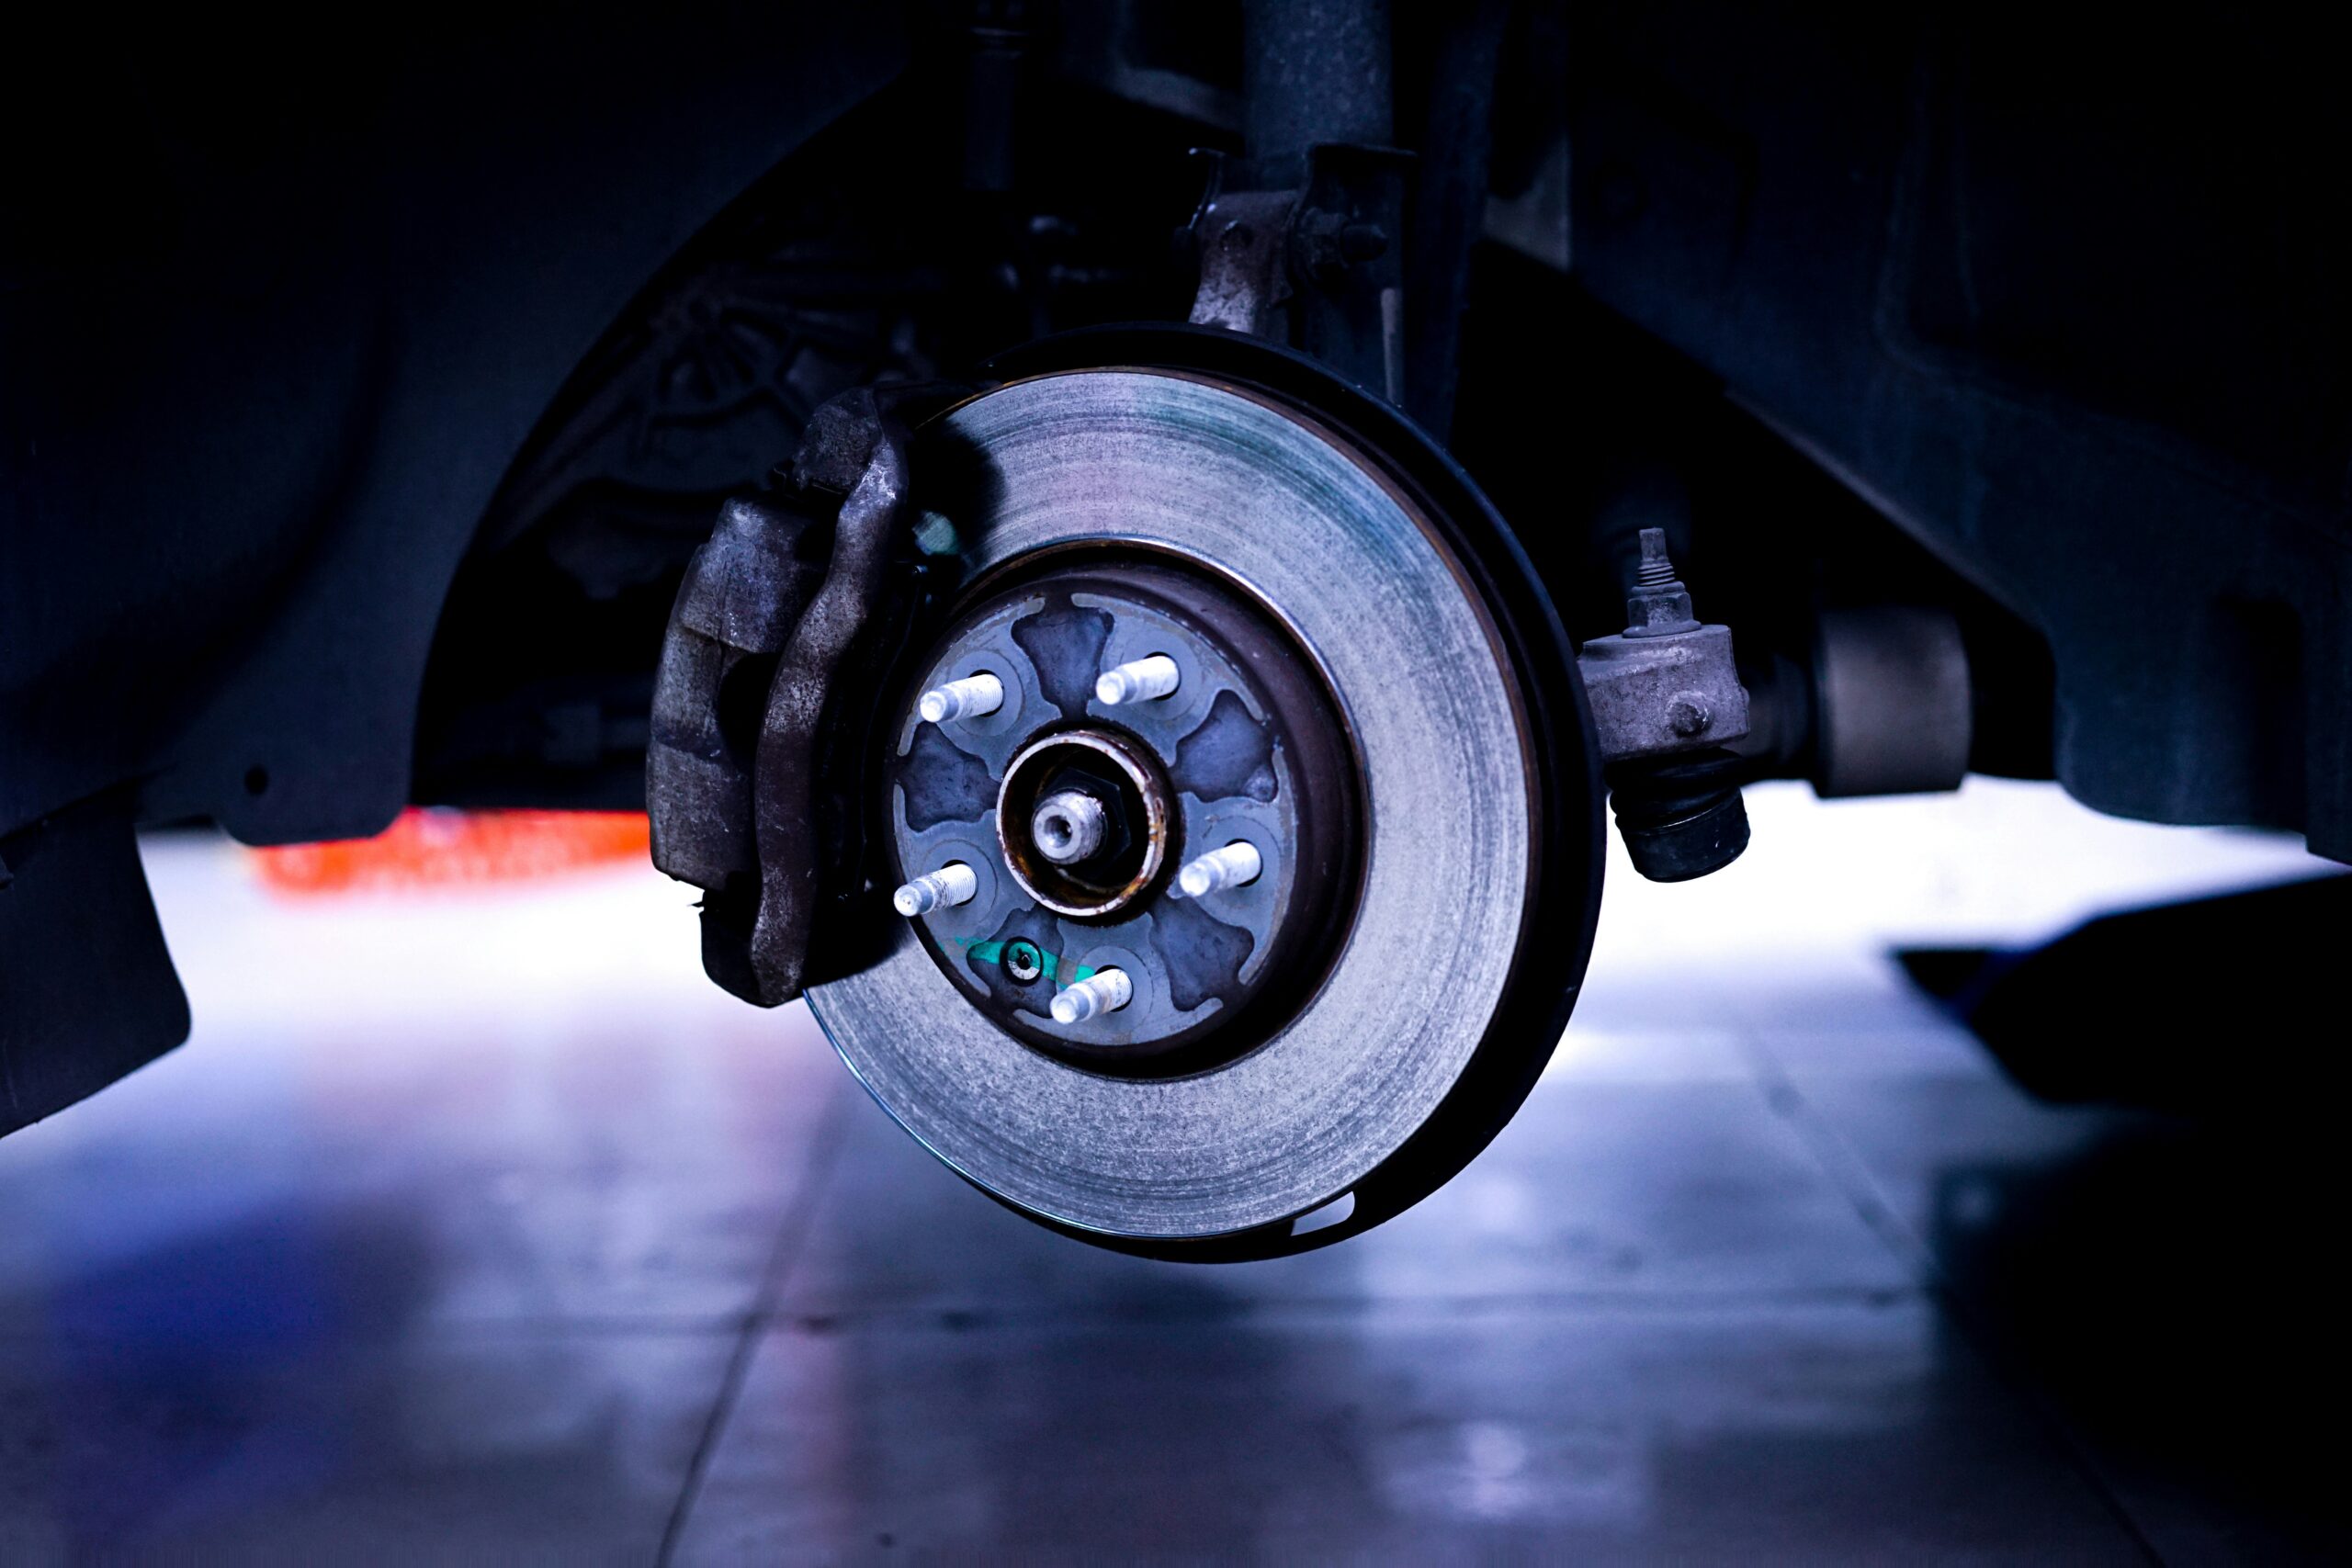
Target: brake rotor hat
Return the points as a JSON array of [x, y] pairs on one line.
[[1195, 828], [1169, 466]]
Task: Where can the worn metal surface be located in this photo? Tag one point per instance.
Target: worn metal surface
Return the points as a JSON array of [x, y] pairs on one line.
[[1230, 481], [1652, 696], [785, 603], [1244, 241], [744, 592], [1667, 699], [1667, 683], [1319, 265], [854, 446]]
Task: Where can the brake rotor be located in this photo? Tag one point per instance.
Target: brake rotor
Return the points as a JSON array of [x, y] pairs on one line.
[[1257, 799]]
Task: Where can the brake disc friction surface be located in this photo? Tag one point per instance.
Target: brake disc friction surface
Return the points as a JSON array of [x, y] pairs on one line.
[[1184, 467]]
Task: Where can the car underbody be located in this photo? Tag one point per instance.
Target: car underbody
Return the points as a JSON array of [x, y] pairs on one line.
[[1131, 550]]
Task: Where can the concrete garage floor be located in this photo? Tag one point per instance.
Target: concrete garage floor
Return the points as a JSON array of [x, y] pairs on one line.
[[480, 1226]]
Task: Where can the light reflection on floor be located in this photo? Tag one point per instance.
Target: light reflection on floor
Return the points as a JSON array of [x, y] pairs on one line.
[[479, 1224]]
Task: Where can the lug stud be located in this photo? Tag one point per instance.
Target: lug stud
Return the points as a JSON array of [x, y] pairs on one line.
[[1105, 991], [1233, 866], [951, 884], [1069, 826], [1138, 681], [974, 696]]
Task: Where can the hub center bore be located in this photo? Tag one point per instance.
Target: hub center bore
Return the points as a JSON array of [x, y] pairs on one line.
[[1085, 818]]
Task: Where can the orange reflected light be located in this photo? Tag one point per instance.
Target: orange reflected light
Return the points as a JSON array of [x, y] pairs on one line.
[[438, 848]]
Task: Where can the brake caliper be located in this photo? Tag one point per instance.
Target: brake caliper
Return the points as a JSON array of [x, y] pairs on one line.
[[788, 621]]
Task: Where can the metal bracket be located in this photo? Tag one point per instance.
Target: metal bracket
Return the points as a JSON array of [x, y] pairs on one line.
[[1244, 239], [1320, 267], [1667, 683], [1665, 701]]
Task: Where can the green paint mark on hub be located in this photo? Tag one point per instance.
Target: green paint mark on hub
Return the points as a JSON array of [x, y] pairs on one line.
[[1049, 964]]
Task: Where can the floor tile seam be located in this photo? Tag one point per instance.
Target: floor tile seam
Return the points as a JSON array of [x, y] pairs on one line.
[[1846, 1169], [821, 1318], [829, 1142], [456, 1330]]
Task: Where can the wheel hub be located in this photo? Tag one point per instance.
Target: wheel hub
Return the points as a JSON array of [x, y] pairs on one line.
[[1226, 741]]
